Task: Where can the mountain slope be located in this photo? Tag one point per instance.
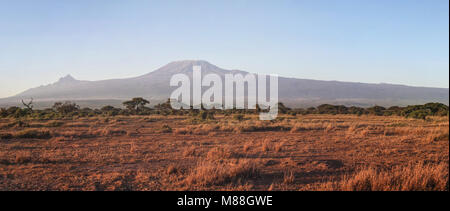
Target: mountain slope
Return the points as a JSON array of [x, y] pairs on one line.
[[294, 92]]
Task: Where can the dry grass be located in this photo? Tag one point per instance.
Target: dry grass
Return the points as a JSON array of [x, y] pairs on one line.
[[221, 154], [289, 178], [266, 145], [310, 152], [299, 127], [107, 131], [247, 146], [172, 169], [28, 134], [23, 157], [211, 173], [279, 146], [190, 151], [418, 177], [438, 134]]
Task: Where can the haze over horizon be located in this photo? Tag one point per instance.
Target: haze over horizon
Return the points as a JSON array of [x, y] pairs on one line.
[[155, 86], [397, 42]]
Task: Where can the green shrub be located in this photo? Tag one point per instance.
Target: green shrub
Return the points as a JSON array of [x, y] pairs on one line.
[[419, 114], [376, 110]]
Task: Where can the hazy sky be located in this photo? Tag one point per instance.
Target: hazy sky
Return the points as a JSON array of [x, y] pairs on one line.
[[392, 41]]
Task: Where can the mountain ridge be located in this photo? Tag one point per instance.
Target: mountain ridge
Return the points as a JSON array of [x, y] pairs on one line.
[[294, 91]]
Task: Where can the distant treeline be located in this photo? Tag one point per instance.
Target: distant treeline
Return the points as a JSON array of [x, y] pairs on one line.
[[412, 111], [137, 106]]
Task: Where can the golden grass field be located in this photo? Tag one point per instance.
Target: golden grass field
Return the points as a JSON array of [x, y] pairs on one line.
[[310, 152]]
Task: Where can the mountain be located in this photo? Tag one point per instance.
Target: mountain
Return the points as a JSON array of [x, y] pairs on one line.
[[293, 92]]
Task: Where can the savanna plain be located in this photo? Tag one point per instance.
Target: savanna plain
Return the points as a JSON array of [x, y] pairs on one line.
[[303, 152]]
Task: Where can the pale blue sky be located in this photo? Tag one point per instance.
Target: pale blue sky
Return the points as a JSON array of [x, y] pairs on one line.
[[391, 41]]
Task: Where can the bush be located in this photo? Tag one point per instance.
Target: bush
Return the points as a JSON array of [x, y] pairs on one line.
[[419, 114], [11, 111], [3, 113], [239, 117], [166, 129], [66, 108], [21, 113], [204, 115], [376, 110], [210, 115]]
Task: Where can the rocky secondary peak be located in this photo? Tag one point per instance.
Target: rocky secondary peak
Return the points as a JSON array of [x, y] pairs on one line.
[[66, 79]]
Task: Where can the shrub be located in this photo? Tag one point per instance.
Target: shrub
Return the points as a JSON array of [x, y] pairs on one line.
[[20, 113], [166, 129], [419, 114], [204, 115], [3, 113], [110, 111], [376, 110], [239, 117], [66, 108]]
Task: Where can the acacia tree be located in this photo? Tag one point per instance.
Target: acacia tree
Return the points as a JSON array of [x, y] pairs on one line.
[[65, 108], [136, 104]]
